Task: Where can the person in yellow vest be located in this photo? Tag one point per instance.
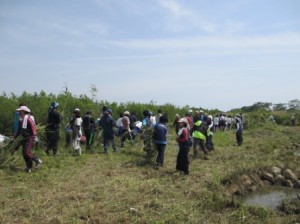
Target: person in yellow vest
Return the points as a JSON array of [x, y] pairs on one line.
[[199, 134]]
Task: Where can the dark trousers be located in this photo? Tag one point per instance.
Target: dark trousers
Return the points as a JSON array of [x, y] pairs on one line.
[[239, 137], [209, 143], [107, 141], [126, 135], [183, 159], [89, 138], [161, 154], [27, 145], [52, 137]]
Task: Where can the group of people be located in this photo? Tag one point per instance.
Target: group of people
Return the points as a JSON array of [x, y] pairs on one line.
[[193, 130]]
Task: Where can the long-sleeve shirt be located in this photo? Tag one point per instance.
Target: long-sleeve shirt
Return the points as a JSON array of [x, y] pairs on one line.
[[183, 135], [26, 128]]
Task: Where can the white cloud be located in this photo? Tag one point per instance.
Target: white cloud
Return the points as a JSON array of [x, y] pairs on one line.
[[173, 7]]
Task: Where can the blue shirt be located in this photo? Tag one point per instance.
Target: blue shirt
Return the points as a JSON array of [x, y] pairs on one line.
[[160, 134]]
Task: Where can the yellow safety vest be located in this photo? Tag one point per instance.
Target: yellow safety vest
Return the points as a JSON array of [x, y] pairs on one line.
[[198, 134]]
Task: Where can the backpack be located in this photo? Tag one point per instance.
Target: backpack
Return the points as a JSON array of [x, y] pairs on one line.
[[86, 122], [72, 121]]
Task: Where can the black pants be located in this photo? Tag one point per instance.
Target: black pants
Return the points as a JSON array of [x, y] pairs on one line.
[[27, 145], [52, 136], [183, 159], [89, 138], [209, 143], [161, 154], [239, 137], [107, 141]]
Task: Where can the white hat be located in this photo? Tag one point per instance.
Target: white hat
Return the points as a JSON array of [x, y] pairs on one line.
[[201, 111], [190, 111], [182, 120], [23, 108], [209, 116], [126, 113], [77, 109]]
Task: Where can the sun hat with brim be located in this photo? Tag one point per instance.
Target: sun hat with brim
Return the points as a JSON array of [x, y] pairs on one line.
[[126, 113], [23, 108], [182, 120]]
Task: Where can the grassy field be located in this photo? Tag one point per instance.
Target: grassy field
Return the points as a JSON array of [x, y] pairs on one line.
[[121, 188]]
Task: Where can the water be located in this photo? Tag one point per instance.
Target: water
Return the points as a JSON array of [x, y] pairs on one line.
[[297, 153], [270, 197]]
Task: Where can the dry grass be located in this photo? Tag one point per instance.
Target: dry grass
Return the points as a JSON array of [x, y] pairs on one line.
[[119, 188]]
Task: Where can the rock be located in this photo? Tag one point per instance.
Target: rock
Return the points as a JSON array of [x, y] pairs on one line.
[[276, 170], [297, 184], [288, 183], [266, 183], [256, 179], [279, 179], [234, 189], [251, 188], [267, 176], [289, 175]]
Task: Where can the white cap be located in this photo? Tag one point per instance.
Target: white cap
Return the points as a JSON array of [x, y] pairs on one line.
[[23, 108], [201, 111], [77, 109], [190, 111], [182, 120], [209, 116], [126, 113]]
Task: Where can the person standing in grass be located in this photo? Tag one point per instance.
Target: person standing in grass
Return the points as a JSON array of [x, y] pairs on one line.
[[126, 131], [199, 134], [108, 124], [239, 130], [28, 132], [53, 128], [182, 163], [147, 135], [88, 124], [210, 133], [160, 139], [77, 133]]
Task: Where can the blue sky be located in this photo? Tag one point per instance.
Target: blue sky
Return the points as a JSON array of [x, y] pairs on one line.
[[208, 53]]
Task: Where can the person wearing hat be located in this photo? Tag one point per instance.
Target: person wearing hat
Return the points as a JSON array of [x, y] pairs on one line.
[[182, 163], [126, 131], [189, 118], [160, 139], [28, 132], [199, 134], [108, 124], [293, 120], [210, 133], [239, 130], [175, 123], [147, 134], [88, 125], [77, 133], [53, 128]]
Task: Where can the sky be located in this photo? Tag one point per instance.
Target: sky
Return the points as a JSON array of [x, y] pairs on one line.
[[202, 53]]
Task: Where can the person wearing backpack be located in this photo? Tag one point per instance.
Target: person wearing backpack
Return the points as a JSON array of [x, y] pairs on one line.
[[199, 134], [88, 125], [53, 129], [108, 124]]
